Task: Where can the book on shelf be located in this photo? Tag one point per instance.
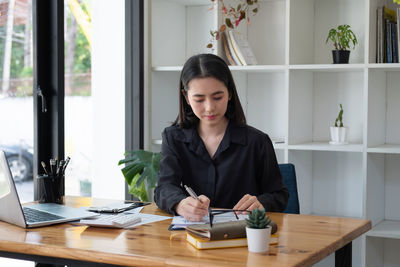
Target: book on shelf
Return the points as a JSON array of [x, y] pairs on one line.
[[395, 58], [242, 48], [387, 45], [232, 51], [388, 41], [227, 53], [379, 35], [398, 34], [202, 243]]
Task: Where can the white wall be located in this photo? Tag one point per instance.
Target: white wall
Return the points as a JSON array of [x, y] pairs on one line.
[[108, 92]]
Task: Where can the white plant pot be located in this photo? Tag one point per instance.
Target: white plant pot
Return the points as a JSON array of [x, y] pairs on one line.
[[339, 135], [258, 239]]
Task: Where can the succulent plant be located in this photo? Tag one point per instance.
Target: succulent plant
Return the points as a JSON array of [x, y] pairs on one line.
[[339, 119], [257, 219]]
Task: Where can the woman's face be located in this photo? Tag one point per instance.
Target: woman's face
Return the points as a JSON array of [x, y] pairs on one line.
[[208, 98]]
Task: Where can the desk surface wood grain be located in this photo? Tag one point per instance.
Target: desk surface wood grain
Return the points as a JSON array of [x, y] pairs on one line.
[[303, 240]]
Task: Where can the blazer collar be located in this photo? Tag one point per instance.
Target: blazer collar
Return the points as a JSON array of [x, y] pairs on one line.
[[234, 134]]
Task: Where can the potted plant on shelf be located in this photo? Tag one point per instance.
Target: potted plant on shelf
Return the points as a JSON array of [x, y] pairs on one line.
[[258, 231], [140, 172], [341, 37], [339, 132]]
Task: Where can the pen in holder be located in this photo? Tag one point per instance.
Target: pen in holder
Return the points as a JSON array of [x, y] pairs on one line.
[[51, 185], [51, 188]]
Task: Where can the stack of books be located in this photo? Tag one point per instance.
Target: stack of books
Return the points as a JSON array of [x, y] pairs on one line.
[[220, 235], [237, 50], [203, 243], [387, 35]]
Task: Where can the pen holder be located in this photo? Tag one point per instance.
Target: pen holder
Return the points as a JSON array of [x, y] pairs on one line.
[[51, 188]]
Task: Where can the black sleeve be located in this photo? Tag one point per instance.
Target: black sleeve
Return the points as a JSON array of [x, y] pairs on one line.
[[168, 192], [275, 194]]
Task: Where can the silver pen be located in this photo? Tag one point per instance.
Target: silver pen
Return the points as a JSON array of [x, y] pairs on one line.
[[191, 192]]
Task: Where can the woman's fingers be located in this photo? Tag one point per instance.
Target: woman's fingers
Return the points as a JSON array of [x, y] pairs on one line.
[[193, 209], [248, 202]]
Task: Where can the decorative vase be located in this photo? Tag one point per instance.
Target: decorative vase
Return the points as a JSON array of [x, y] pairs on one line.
[[340, 56], [258, 239], [339, 135]]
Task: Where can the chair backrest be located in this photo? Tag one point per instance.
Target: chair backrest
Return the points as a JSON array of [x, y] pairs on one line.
[[289, 179]]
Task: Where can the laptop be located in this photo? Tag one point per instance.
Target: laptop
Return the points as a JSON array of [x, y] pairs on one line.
[[34, 215]]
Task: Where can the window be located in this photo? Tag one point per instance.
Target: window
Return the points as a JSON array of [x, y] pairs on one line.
[[94, 97], [16, 103]]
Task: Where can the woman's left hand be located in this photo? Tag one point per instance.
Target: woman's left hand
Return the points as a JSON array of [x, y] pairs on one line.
[[248, 202]]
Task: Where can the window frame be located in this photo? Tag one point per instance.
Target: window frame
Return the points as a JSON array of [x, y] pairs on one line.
[[48, 81], [134, 77]]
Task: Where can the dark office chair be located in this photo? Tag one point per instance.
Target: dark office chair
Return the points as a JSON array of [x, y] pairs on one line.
[[289, 179]]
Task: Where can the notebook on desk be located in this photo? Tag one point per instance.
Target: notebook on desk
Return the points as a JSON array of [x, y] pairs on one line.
[[35, 215]]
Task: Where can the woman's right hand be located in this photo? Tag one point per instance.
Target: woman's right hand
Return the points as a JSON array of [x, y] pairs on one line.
[[192, 209]]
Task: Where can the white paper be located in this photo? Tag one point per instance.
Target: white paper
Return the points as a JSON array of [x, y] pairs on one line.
[[149, 218], [145, 218], [180, 221]]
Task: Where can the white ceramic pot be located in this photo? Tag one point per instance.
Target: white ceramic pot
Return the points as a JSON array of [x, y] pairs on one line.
[[258, 239], [339, 135]]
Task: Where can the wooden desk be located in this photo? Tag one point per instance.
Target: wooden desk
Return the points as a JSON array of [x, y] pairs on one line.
[[303, 240]]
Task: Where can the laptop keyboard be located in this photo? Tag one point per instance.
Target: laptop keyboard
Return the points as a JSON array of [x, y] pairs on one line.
[[32, 215]]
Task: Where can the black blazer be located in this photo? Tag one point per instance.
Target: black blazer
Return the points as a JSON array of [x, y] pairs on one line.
[[244, 163]]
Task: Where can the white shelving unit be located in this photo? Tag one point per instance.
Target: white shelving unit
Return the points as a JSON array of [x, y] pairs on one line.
[[293, 94]]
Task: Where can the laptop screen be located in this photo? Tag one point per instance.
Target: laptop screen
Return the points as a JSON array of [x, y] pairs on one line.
[[4, 181], [10, 207]]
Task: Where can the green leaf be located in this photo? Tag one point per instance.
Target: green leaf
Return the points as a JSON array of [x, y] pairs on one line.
[[141, 169], [138, 191], [257, 219], [228, 23]]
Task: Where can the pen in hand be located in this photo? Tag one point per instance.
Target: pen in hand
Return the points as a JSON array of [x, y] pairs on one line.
[[193, 195], [191, 192]]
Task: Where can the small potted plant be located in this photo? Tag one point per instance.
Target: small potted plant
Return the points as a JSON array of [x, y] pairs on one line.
[[341, 37], [339, 132], [258, 231]]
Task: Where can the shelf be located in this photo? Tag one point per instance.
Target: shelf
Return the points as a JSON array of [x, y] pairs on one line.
[[384, 66], [385, 148], [167, 68], [281, 68], [157, 142], [279, 145], [254, 68], [325, 146], [259, 68], [192, 2], [328, 67], [386, 229]]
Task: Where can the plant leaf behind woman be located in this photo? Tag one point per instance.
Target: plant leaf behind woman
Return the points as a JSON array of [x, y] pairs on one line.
[[140, 172]]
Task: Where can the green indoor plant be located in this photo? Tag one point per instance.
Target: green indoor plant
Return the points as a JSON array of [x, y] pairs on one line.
[[338, 131], [258, 231], [140, 172], [341, 37]]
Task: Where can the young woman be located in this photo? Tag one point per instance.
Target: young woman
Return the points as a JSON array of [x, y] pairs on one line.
[[212, 150]]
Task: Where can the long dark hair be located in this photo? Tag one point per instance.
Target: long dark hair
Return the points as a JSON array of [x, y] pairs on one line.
[[205, 66]]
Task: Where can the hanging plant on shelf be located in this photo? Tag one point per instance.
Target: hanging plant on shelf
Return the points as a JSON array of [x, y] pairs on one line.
[[233, 16]]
